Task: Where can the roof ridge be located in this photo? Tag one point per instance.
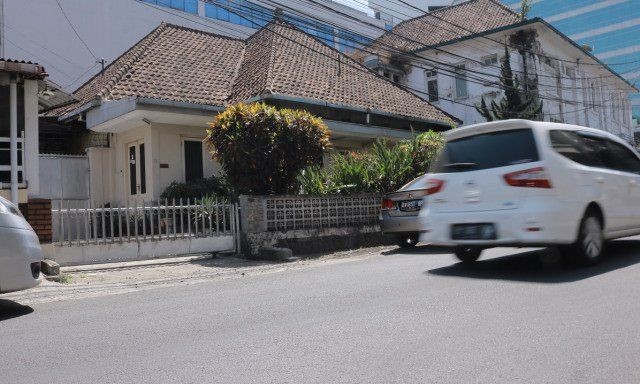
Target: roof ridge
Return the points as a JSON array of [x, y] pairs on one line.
[[447, 8], [203, 32]]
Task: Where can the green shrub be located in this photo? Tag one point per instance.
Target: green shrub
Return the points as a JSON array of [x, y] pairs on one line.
[[384, 167], [424, 149], [262, 149], [197, 189], [353, 171]]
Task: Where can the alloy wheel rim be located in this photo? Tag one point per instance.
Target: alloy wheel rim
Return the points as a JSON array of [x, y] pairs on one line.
[[592, 243]]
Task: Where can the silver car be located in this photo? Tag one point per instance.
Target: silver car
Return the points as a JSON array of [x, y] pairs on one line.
[[399, 213]]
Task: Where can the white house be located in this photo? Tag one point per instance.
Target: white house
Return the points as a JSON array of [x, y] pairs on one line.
[[453, 57], [155, 101]]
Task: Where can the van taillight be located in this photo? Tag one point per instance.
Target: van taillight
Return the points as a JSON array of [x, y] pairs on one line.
[[388, 204], [529, 178], [434, 186]]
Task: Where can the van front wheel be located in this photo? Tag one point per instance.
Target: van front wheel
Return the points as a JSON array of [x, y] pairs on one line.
[[467, 254]]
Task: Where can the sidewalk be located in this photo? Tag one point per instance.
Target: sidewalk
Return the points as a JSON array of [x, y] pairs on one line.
[[116, 278]]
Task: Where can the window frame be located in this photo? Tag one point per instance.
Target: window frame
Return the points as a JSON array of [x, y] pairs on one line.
[[460, 78], [184, 158]]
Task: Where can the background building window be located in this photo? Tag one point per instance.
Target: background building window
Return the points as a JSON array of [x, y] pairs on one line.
[[491, 60], [432, 84], [461, 82]]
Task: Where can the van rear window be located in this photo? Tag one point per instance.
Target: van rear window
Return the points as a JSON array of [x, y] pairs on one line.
[[488, 150]]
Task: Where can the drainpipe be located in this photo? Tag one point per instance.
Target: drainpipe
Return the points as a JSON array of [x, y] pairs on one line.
[[13, 135]]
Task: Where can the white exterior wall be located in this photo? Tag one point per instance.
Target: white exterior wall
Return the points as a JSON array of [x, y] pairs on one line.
[[169, 141], [573, 99], [36, 30], [163, 145]]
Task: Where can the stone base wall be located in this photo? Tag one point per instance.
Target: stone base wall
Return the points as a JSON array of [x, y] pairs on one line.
[[329, 229], [37, 212], [310, 241]]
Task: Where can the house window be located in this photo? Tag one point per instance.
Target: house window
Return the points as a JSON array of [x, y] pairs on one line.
[[490, 61], [432, 84], [193, 160], [461, 82], [396, 78]]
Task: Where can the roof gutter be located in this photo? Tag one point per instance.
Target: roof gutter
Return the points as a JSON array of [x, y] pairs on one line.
[[83, 108], [276, 96]]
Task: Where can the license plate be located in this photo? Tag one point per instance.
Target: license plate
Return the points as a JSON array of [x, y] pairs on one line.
[[411, 205], [482, 231]]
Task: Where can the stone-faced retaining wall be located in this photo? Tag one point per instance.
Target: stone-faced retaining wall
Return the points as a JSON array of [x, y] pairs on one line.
[[310, 224]]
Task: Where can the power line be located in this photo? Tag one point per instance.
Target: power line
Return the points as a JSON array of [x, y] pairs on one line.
[[432, 63], [234, 11], [362, 68], [36, 56], [75, 31], [40, 45]]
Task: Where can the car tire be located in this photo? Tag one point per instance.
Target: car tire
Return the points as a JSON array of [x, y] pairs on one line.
[[407, 241], [588, 248], [467, 254]]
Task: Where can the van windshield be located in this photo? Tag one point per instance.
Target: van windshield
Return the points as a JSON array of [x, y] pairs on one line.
[[487, 150]]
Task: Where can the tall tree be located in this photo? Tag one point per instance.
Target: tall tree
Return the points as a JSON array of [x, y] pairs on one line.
[[516, 103]]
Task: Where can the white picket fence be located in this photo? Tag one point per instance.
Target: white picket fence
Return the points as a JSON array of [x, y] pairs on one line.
[[78, 223]]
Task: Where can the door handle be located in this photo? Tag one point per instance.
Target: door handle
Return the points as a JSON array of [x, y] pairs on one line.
[[633, 183], [600, 180]]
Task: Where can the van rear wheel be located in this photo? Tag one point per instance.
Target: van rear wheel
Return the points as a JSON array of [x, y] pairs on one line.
[[588, 248], [467, 254]]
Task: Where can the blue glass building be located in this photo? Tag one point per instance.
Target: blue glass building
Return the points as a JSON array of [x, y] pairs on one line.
[[252, 15], [610, 27]]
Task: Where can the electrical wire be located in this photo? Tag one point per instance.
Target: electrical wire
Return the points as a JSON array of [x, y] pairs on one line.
[[75, 31]]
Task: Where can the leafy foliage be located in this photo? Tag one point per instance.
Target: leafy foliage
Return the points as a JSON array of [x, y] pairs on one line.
[[212, 186], [516, 102], [384, 167], [262, 149]]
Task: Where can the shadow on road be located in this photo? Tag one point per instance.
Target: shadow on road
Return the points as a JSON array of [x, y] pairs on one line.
[[528, 266], [418, 249], [10, 309]]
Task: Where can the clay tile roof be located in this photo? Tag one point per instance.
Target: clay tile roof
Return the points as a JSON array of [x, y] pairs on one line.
[[182, 64], [170, 63], [445, 24]]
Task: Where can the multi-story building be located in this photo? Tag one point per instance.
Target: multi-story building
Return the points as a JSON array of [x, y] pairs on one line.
[[72, 37], [393, 12], [452, 58], [609, 29]]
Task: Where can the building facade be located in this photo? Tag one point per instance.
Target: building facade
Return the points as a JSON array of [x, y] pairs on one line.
[[453, 59], [393, 12], [609, 28], [38, 30]]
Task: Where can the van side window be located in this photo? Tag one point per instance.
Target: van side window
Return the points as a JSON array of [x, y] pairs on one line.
[[574, 147], [622, 158]]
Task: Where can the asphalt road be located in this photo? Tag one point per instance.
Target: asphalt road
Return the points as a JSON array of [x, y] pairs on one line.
[[393, 318]]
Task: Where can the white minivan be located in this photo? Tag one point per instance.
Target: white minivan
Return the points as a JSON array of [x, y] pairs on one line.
[[20, 252], [525, 183]]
